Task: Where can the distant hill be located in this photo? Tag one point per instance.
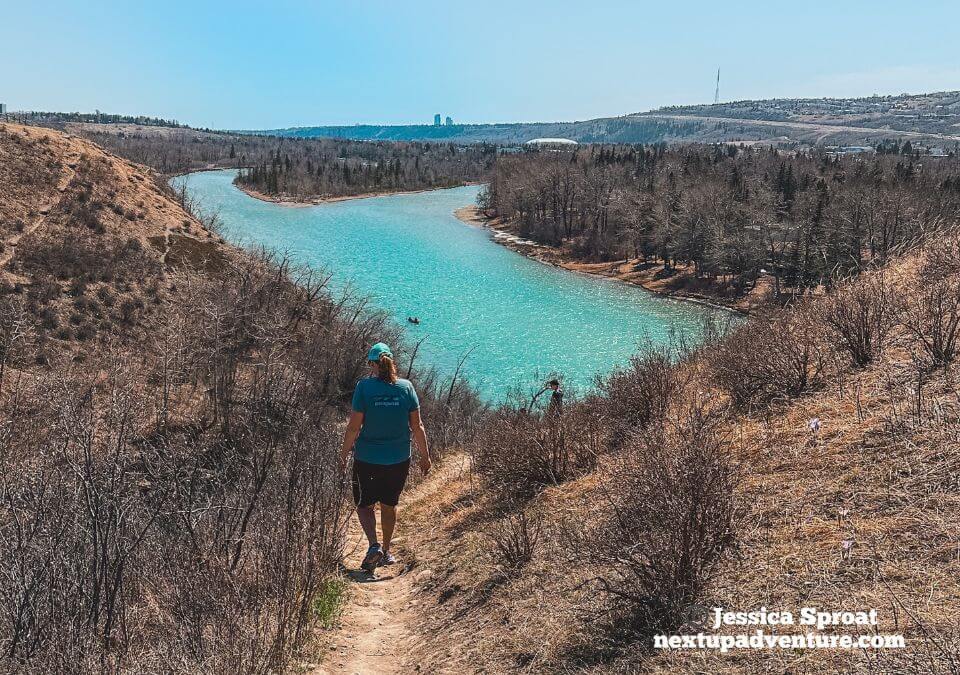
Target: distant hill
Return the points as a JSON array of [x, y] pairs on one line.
[[930, 118], [936, 113], [604, 130], [58, 120]]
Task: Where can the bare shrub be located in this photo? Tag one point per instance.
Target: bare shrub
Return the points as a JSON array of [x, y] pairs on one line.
[[515, 540], [178, 507], [137, 541], [85, 259], [860, 317], [162, 539], [638, 396], [451, 405], [942, 255], [16, 333], [769, 358], [518, 452], [932, 317], [666, 519]]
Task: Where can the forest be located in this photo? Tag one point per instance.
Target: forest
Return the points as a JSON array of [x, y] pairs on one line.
[[331, 167], [302, 168], [728, 213]]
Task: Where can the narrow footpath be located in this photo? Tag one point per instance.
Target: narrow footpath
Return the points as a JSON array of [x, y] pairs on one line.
[[372, 627], [378, 630]]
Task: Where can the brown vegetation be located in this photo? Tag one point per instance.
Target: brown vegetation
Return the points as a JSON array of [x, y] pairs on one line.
[[298, 169], [781, 472], [171, 407], [170, 501]]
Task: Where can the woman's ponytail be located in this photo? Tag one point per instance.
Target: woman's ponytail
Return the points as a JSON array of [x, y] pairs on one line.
[[387, 369]]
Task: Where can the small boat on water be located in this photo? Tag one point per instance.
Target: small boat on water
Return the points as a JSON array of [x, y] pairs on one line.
[[414, 320]]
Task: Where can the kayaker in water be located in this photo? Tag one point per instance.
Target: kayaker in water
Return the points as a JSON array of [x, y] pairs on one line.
[[384, 421]]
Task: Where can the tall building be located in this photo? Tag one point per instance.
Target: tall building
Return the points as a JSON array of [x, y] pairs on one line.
[[3, 108], [436, 120], [449, 121]]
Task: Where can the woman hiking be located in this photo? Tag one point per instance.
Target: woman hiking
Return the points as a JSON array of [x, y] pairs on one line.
[[385, 416]]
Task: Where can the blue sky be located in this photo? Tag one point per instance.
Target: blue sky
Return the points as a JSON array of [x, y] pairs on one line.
[[284, 63]]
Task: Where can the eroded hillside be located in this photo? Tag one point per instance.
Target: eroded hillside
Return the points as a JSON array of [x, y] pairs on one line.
[[563, 545], [88, 238]]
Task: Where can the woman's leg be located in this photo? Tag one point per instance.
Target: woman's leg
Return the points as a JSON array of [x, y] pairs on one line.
[[388, 520], [368, 521], [363, 484], [395, 477]]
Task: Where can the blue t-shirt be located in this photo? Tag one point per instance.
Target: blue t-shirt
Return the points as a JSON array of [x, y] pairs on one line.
[[386, 408]]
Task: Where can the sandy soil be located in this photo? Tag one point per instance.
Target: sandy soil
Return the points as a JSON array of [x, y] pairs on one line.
[[68, 174], [373, 625], [150, 215]]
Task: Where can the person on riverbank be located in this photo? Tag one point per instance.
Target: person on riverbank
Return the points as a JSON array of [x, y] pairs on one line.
[[555, 409], [384, 420]]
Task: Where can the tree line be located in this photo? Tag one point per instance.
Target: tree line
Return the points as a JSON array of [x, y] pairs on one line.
[[331, 167], [729, 213], [304, 168]]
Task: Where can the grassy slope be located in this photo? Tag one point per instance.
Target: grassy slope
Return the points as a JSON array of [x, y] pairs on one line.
[[71, 212], [122, 292], [881, 473]]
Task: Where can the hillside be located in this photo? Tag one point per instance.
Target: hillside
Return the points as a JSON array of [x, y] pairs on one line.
[[934, 113], [86, 236], [538, 570], [932, 119], [171, 408]]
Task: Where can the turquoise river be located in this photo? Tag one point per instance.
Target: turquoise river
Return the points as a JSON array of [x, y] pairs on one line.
[[411, 256]]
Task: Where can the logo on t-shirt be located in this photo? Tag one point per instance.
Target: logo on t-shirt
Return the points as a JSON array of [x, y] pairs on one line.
[[386, 401]]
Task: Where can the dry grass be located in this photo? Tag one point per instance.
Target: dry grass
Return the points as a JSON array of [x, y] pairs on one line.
[[861, 514], [171, 413]]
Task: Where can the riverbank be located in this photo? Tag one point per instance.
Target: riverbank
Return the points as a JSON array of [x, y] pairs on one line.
[[293, 202], [679, 283]]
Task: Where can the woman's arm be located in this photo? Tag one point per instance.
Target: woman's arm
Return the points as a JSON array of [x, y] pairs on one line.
[[420, 440], [350, 436]]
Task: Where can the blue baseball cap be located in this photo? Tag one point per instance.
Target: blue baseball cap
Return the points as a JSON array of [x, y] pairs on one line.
[[377, 350]]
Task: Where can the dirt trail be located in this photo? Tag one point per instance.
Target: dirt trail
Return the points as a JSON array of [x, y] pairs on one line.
[[10, 245], [378, 630], [373, 627]]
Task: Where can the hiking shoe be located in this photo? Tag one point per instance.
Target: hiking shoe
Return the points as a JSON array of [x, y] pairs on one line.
[[372, 559], [387, 559]]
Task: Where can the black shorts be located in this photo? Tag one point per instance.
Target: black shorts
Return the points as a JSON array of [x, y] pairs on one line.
[[381, 483]]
